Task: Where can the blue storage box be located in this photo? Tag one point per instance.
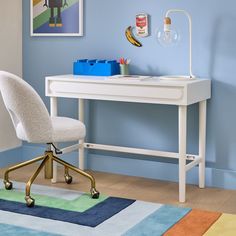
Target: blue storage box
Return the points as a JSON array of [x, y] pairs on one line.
[[96, 67]]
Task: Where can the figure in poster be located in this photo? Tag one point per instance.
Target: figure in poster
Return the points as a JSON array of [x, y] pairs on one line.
[[55, 21]]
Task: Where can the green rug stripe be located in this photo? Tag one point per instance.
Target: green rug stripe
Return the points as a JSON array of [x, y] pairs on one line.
[[80, 204], [44, 17]]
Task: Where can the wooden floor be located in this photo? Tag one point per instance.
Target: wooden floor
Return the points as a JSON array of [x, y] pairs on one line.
[[212, 199]]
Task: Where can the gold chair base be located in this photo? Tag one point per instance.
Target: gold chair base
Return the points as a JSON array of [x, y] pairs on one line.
[[47, 162]]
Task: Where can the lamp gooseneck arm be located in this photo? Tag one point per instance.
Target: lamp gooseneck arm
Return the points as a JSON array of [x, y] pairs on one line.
[[190, 36]]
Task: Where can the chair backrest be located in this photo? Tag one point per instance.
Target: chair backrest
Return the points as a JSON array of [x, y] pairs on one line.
[[25, 108]]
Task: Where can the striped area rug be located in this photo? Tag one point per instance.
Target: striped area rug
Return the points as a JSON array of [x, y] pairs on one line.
[[67, 212]]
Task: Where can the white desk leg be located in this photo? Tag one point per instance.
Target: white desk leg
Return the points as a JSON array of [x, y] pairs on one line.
[[81, 142], [182, 151], [53, 111], [202, 142]]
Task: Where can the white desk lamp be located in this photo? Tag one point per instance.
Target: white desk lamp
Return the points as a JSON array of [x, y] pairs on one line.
[[168, 36]]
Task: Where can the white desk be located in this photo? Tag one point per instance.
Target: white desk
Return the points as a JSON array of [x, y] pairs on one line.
[[155, 91]]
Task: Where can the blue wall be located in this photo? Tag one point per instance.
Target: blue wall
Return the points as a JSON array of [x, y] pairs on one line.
[[149, 126]]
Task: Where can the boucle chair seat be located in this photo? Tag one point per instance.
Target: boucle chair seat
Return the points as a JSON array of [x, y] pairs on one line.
[[64, 129]]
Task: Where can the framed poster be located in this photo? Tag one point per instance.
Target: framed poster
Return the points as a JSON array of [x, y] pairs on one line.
[[56, 18]]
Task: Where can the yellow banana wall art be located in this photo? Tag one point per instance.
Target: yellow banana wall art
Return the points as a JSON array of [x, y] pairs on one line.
[[130, 37]]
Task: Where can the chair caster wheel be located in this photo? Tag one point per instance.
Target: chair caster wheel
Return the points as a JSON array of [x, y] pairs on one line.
[[29, 201], [68, 179], [94, 193], [8, 185]]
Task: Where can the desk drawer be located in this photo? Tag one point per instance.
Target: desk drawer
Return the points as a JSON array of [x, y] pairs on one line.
[[118, 92]]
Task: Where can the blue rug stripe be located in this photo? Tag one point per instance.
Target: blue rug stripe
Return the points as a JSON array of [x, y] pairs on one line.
[[11, 230], [92, 217], [158, 222]]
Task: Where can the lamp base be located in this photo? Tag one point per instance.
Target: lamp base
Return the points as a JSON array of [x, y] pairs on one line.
[[176, 77]]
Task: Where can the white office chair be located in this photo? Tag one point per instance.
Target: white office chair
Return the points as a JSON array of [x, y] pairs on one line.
[[34, 125]]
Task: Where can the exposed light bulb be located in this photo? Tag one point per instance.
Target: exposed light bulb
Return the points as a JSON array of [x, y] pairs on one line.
[[167, 36]]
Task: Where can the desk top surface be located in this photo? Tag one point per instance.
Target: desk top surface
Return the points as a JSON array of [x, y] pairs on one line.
[[144, 89], [133, 79]]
